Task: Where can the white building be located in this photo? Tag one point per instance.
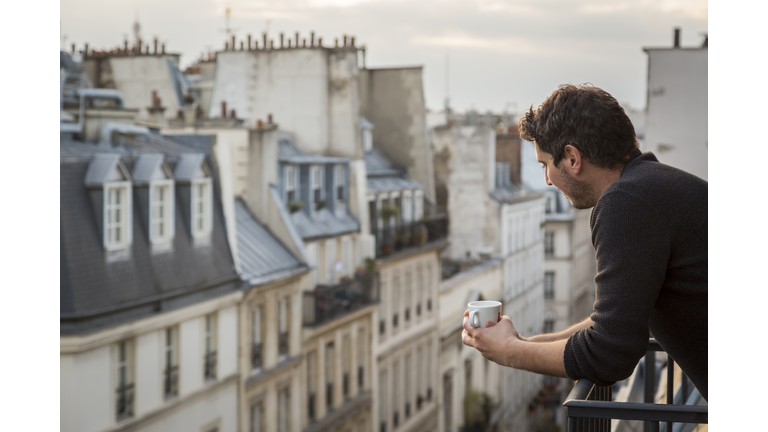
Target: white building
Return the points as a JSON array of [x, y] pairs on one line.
[[676, 124]]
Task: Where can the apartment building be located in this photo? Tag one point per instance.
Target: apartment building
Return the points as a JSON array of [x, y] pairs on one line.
[[149, 290]]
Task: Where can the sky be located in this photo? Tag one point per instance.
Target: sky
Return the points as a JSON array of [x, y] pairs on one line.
[[483, 54]]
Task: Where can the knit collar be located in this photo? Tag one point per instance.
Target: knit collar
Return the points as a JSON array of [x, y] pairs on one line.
[[637, 155]]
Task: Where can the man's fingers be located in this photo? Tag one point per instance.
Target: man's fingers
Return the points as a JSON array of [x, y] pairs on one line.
[[466, 313], [490, 323]]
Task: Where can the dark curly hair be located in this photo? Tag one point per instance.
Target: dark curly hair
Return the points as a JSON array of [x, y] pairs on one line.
[[585, 117]]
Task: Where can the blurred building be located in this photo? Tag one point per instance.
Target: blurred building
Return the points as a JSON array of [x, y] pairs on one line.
[[149, 290], [676, 128]]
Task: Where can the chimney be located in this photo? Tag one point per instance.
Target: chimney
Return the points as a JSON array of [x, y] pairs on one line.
[[312, 39], [233, 42], [73, 48], [320, 42], [155, 46], [677, 37], [85, 51], [232, 113], [264, 39], [352, 41], [226, 46], [289, 43], [345, 40], [163, 49], [297, 39], [271, 44], [259, 124], [223, 109], [146, 50], [139, 46], [281, 40], [249, 42], [269, 118], [336, 44], [242, 45], [304, 42]]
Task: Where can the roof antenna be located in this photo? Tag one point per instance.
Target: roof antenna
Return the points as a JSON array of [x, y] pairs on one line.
[[229, 31], [447, 88], [137, 27]]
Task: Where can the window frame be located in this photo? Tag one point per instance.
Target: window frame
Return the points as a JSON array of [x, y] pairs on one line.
[[549, 288], [125, 213], [339, 176], [207, 210], [316, 191], [289, 180], [168, 218], [549, 244]]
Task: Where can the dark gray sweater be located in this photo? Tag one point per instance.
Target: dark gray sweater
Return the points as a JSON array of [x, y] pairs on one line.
[[649, 229]]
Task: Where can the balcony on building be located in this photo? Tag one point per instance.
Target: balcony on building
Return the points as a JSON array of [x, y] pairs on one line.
[[329, 302], [676, 406]]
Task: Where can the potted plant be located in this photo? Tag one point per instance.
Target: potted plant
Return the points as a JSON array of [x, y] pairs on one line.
[[320, 205], [295, 206], [388, 211]]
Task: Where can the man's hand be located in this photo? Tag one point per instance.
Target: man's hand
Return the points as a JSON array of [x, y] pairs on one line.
[[494, 342]]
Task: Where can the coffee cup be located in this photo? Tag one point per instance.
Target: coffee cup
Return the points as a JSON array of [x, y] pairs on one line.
[[481, 312]]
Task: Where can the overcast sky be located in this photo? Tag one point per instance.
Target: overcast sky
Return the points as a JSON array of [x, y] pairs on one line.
[[500, 54]]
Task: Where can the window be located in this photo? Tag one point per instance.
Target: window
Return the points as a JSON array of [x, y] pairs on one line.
[[161, 213], [429, 287], [396, 396], [346, 359], [290, 184], [330, 261], [407, 207], [283, 312], [361, 350], [418, 206], [125, 388], [429, 370], [408, 385], [210, 347], [419, 379], [202, 208], [549, 326], [549, 285], [419, 289], [468, 375], [283, 409], [316, 185], [117, 216], [329, 375], [448, 401], [408, 299], [383, 401], [346, 255], [311, 388], [257, 417], [395, 299], [256, 338], [549, 244], [339, 181], [171, 372]]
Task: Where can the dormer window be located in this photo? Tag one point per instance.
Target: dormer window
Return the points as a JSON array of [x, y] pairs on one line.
[[407, 206], [196, 190], [155, 194], [201, 208], [316, 185], [116, 217], [110, 185], [290, 184]]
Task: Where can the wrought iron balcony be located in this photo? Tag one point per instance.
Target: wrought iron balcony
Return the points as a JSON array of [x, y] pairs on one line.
[[590, 407], [282, 344], [329, 302], [256, 358], [210, 366], [402, 236], [311, 407], [171, 382], [125, 401]]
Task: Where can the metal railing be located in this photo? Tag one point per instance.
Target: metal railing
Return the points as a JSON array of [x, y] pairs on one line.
[[311, 407], [590, 407], [210, 365], [125, 401], [171, 382], [405, 235], [328, 302]]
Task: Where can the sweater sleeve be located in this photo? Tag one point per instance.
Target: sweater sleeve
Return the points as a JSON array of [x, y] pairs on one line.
[[632, 247]]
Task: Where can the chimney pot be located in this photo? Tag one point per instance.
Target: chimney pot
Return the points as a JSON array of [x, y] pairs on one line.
[[125, 46], [223, 109], [269, 118], [232, 113], [233, 42], [352, 41], [242, 45], [289, 43], [297, 39], [180, 114], [226, 46], [86, 50], [163, 47], [320, 42], [249, 42], [155, 45], [677, 37], [281, 40], [304, 43], [139, 46], [312, 39], [345, 40], [336, 42], [264, 39], [259, 123], [73, 48]]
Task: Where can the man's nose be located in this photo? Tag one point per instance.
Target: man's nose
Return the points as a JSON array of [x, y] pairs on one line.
[[546, 178]]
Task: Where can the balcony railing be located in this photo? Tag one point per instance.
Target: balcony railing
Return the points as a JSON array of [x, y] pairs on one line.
[[283, 344], [590, 407], [210, 366], [311, 407], [328, 302], [402, 236], [125, 402], [171, 382], [256, 359], [345, 384]]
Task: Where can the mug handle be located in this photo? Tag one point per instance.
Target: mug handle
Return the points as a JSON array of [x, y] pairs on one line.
[[472, 316]]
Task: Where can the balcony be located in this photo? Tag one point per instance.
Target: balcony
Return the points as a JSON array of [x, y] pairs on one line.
[[404, 236], [329, 302], [171, 382], [590, 407], [125, 402]]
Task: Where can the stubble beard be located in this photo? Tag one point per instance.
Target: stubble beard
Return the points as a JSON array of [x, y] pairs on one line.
[[580, 194]]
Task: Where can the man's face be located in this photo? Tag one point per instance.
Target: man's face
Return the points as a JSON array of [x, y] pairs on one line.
[[579, 193]]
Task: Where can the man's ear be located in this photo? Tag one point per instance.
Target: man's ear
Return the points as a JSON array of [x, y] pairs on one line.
[[572, 157]]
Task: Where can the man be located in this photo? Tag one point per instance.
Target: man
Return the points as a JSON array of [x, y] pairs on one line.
[[649, 229]]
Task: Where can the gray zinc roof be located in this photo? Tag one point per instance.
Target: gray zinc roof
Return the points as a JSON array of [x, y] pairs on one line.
[[102, 168], [388, 184], [288, 152], [146, 166], [324, 224], [378, 165], [261, 255]]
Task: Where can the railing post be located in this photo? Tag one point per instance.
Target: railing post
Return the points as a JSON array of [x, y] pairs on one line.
[[650, 378], [670, 385]]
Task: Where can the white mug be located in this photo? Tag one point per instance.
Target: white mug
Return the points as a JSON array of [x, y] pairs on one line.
[[481, 312]]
